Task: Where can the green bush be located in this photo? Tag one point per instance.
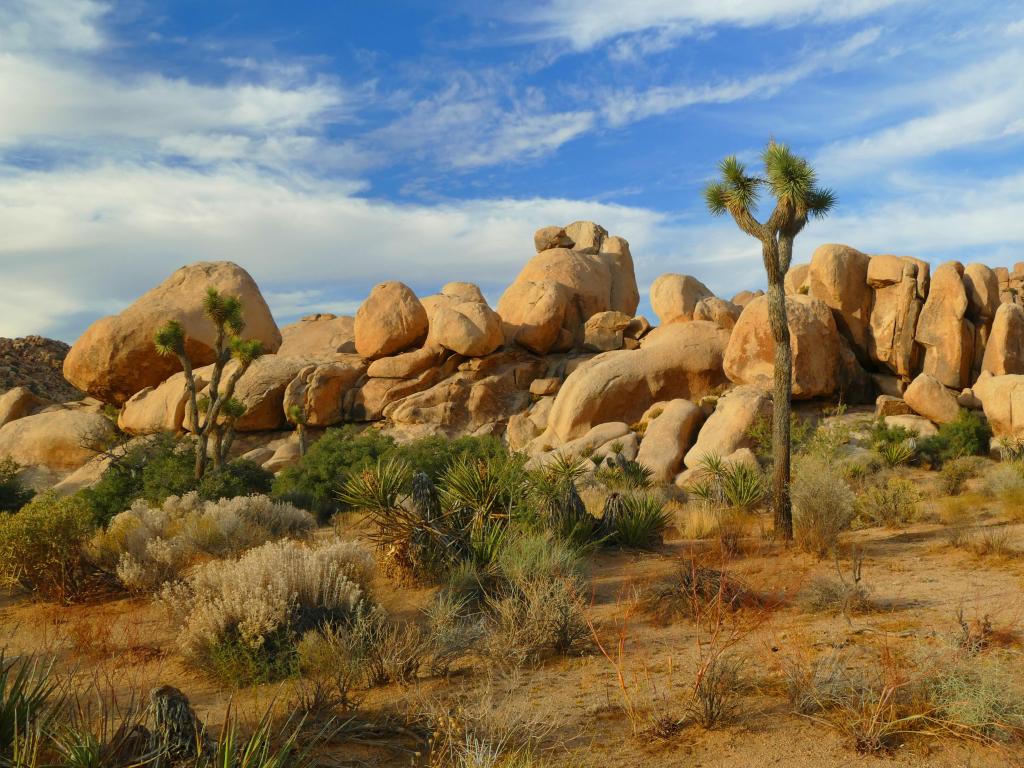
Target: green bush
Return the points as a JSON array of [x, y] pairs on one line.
[[42, 547], [13, 495], [823, 505], [642, 521], [163, 466], [433, 455], [967, 435], [892, 503], [314, 482]]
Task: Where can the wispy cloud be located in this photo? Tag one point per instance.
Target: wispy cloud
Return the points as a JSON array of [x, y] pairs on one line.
[[48, 25], [585, 24]]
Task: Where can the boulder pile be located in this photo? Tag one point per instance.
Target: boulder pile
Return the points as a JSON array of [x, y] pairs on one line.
[[561, 363]]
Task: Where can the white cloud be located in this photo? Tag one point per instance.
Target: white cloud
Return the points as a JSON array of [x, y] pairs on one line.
[[977, 104], [626, 106], [588, 23], [48, 25]]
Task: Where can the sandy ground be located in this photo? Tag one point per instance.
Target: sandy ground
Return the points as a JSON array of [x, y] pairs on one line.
[[918, 581]]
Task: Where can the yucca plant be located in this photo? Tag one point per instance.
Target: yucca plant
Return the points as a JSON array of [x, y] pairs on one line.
[[642, 522], [793, 183], [290, 746], [29, 700], [622, 474], [743, 485], [895, 454]]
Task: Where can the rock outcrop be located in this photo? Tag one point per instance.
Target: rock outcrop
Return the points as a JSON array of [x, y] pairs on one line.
[[838, 276], [675, 297], [470, 328], [17, 403], [750, 356], [115, 357], [727, 429], [60, 439], [319, 336], [1004, 351], [391, 320], [928, 398], [36, 363], [944, 330], [668, 437]]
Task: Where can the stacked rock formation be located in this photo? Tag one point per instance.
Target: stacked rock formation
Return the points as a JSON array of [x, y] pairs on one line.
[[562, 363]]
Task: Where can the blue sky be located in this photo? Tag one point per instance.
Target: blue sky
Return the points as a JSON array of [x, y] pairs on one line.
[[326, 146]]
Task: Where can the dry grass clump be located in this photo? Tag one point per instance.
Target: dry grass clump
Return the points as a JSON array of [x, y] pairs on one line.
[[240, 619], [991, 542], [823, 506], [146, 546], [698, 589], [839, 595], [981, 695], [892, 503]]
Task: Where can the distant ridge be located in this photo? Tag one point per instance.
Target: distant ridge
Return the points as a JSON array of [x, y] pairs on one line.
[[37, 363]]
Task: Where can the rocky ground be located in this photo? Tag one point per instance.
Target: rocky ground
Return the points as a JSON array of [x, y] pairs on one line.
[[37, 363]]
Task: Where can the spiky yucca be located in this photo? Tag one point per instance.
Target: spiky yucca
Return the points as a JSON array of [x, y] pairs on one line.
[[213, 415], [793, 183]]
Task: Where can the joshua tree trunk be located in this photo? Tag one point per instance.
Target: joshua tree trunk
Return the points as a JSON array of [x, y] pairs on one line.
[[781, 408]]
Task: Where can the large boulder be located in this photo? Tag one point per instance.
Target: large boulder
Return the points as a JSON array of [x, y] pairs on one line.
[[1004, 352], [838, 275], [533, 314], [61, 439], [586, 236], [260, 389], [718, 311], [668, 437], [604, 331], [391, 319], [17, 403], [319, 390], [727, 429], [928, 398], [900, 286], [471, 329], [625, 295], [944, 330], [450, 295], [546, 238], [1002, 398], [161, 408], [797, 279], [405, 365], [675, 297], [320, 336], [982, 288], [683, 361], [115, 357], [750, 356]]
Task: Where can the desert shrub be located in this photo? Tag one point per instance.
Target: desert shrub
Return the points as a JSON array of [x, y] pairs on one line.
[[556, 507], [896, 454], [969, 434], [881, 434], [621, 475], [433, 455], [818, 685], [956, 472], [990, 542], [697, 521], [42, 547], [828, 440], [13, 495], [697, 589], [981, 694], [837, 595], [716, 691], [162, 466], [29, 696], [641, 522], [1005, 481], [892, 503], [728, 484], [147, 546], [823, 505], [241, 619], [801, 431], [313, 482]]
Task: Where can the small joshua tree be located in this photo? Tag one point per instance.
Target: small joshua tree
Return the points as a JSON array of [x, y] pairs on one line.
[[297, 416], [793, 183], [213, 414]]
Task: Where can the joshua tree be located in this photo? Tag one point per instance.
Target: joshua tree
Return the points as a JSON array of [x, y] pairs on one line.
[[213, 415], [297, 416], [793, 183]]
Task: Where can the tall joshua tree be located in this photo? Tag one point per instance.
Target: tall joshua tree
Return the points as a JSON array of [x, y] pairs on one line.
[[213, 414], [793, 183]]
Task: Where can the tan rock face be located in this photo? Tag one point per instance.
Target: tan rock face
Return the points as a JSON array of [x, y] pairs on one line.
[[56, 439], [17, 403], [943, 329], [261, 390], [318, 337], [407, 365], [604, 331], [919, 424], [1004, 352], [726, 429], [669, 436], [797, 279], [533, 314], [685, 362], [1002, 398], [546, 238], [838, 275], [887, 405], [674, 297], [319, 390], [450, 295], [471, 329], [115, 357], [586, 276], [389, 321], [625, 296], [898, 300], [159, 409], [928, 398], [718, 311], [581, 447], [750, 356], [982, 288], [587, 237], [743, 298]]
